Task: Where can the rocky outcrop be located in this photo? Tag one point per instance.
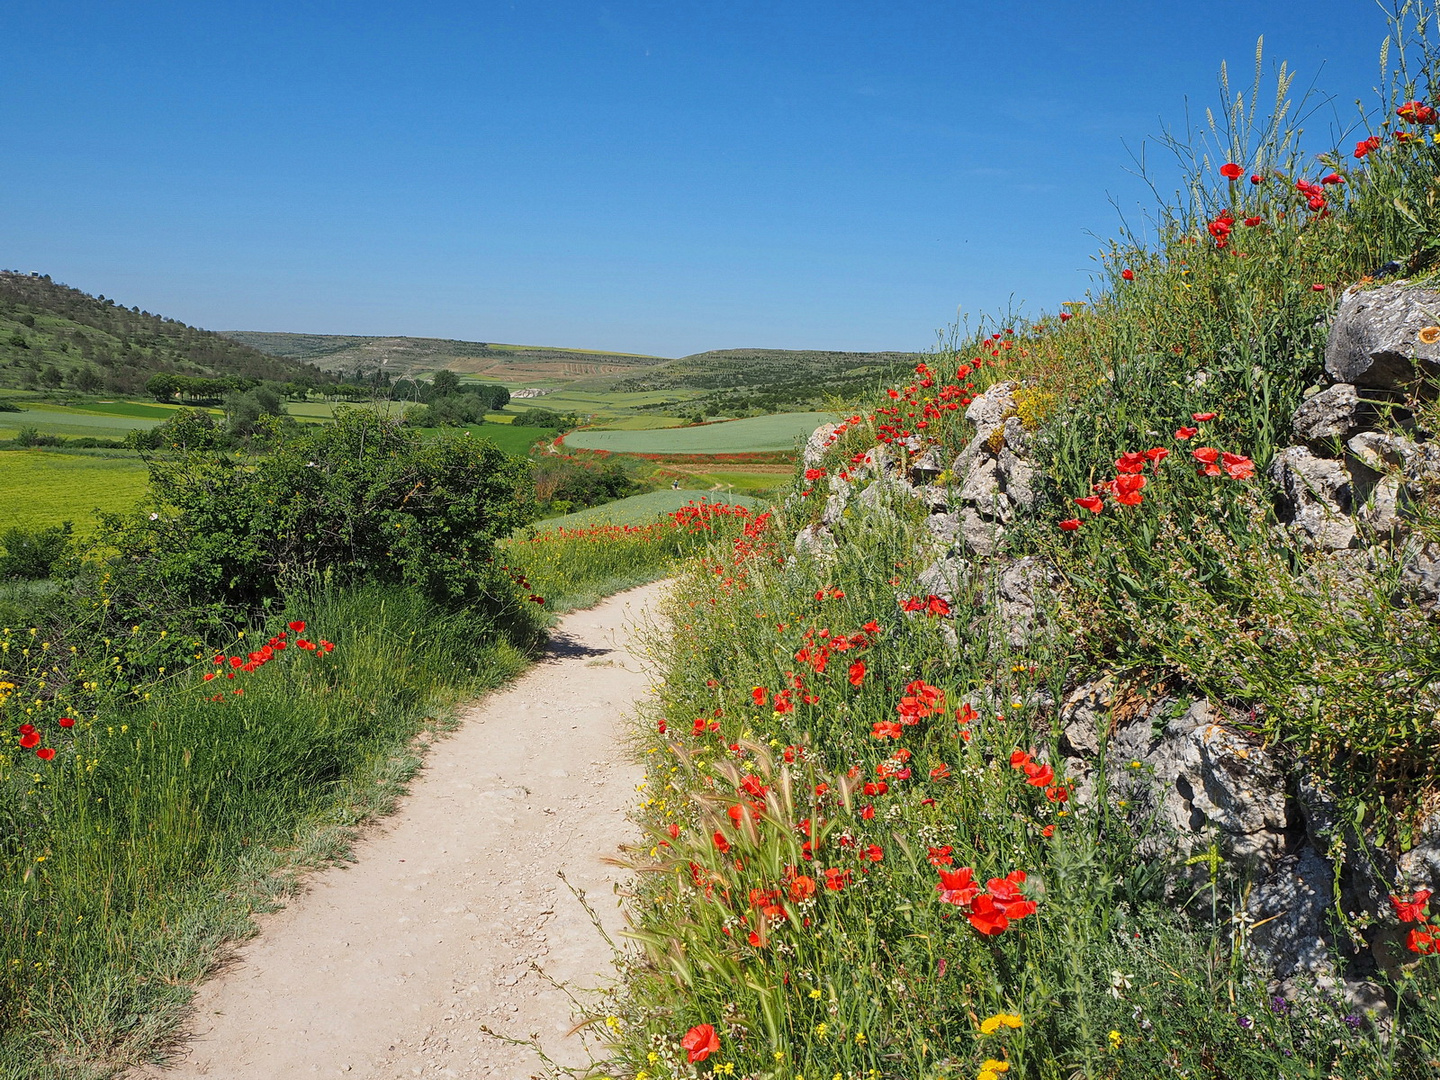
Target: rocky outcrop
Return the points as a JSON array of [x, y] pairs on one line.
[[1335, 413], [1378, 338], [1315, 498]]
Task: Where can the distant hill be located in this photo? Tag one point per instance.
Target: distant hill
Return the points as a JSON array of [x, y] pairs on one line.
[[744, 379], [732, 380], [56, 337], [361, 357]]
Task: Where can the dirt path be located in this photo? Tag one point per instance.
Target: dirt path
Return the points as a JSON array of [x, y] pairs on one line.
[[388, 967]]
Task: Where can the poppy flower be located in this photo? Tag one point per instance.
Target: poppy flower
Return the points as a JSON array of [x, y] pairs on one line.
[[1423, 942], [942, 856], [67, 721], [836, 879], [1127, 275], [1127, 490], [1070, 524], [1207, 456], [857, 673], [1156, 455], [1019, 759], [1231, 171], [1333, 178], [956, 887], [1238, 467], [1411, 910], [1039, 775], [1057, 794], [1417, 112], [1130, 462], [886, 729], [298, 627], [1317, 287], [759, 695], [721, 844], [936, 605], [986, 917], [1201, 417], [1093, 503], [1065, 316], [940, 772], [30, 740], [873, 853], [814, 474], [1186, 433], [700, 1042], [965, 714], [1251, 222], [45, 753], [1257, 179]]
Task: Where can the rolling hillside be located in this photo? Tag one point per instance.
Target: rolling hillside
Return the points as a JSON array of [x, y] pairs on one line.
[[489, 362], [54, 337]]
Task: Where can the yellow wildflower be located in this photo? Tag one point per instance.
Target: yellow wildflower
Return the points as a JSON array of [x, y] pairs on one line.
[[991, 1024]]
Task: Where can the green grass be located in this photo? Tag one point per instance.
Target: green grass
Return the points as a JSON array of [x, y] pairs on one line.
[[73, 421], [640, 423], [642, 509], [758, 434], [512, 438], [46, 487], [132, 857]]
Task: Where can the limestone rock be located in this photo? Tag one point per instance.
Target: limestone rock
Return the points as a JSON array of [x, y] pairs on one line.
[[1085, 716], [1290, 907], [1315, 498], [1336, 413], [926, 467], [1420, 577], [981, 537], [815, 541], [1018, 598], [1375, 338], [817, 444], [990, 409]]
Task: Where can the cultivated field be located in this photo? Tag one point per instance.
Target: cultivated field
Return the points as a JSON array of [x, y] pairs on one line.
[[47, 487], [756, 434], [640, 509], [100, 420]]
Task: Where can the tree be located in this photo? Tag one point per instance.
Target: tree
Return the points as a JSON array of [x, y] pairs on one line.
[[162, 387], [444, 383]]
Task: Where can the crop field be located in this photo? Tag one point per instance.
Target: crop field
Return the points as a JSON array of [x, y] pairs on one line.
[[748, 480], [72, 421], [640, 509], [324, 410], [46, 487], [598, 403], [640, 423], [514, 439], [756, 434]]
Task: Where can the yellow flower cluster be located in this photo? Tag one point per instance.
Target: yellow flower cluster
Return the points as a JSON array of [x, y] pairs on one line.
[[991, 1024]]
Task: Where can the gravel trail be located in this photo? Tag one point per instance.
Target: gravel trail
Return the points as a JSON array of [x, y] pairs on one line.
[[389, 966]]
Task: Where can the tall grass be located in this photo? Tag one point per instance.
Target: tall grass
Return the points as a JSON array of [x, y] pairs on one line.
[[173, 809]]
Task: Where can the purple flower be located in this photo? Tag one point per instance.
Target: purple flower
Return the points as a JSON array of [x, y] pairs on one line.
[[1245, 1022], [1279, 1006], [1353, 1020]]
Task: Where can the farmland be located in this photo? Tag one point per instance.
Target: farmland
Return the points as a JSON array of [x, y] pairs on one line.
[[639, 509], [47, 487], [757, 434]]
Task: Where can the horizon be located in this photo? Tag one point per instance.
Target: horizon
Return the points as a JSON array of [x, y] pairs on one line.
[[640, 179]]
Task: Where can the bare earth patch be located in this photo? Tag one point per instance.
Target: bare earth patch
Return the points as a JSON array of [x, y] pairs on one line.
[[390, 966]]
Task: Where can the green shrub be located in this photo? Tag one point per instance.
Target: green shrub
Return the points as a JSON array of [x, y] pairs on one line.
[[31, 554]]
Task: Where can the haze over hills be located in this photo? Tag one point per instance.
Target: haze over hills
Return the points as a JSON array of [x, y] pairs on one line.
[[55, 337]]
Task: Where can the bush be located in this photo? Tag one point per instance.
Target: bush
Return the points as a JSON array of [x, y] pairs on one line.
[[361, 501], [31, 554]]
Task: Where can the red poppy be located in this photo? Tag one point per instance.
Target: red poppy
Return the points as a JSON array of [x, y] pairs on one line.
[[67, 721], [674, 831], [1423, 942], [700, 1042], [298, 627], [45, 753], [1186, 433], [1207, 457], [1019, 759], [1048, 831], [1065, 316], [1411, 910], [1257, 179], [26, 729], [873, 853], [1333, 178], [1251, 222], [1127, 490], [942, 856], [30, 739], [1070, 524], [1156, 455], [1417, 112], [836, 879], [759, 695], [1238, 467], [208, 676], [986, 917], [936, 605], [1317, 287], [940, 772], [886, 729], [857, 673], [1128, 275], [1039, 775], [721, 844], [1093, 503], [913, 604], [956, 887], [1057, 794], [1130, 462], [1231, 171], [814, 474], [1201, 417]]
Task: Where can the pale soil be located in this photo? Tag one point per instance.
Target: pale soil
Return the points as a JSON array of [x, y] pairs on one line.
[[388, 967]]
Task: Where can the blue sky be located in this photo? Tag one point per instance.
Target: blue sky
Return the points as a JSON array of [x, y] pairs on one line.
[[661, 177]]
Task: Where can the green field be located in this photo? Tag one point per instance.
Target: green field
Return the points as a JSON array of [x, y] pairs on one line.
[[641, 509], [47, 487], [640, 423], [514, 439], [598, 403], [78, 420], [757, 434]]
